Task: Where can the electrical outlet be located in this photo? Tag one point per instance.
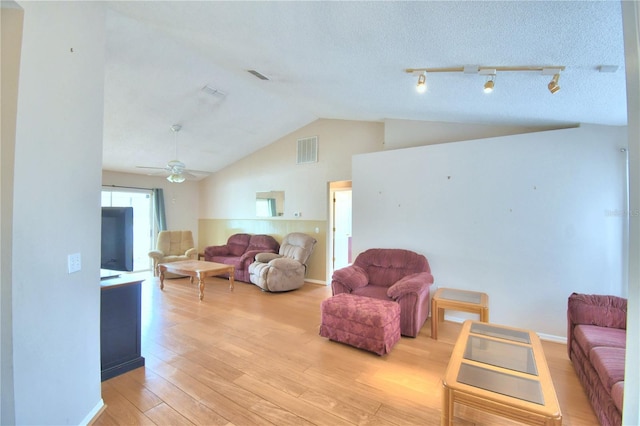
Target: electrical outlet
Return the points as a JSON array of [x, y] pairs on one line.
[[74, 262]]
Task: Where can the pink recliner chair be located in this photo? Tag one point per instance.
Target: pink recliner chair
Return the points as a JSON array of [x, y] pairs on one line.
[[390, 274]]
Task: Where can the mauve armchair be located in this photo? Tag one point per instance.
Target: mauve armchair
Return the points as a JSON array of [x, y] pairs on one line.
[[390, 274]]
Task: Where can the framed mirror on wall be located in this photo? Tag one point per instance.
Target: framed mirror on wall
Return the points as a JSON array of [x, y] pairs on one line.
[[270, 204]]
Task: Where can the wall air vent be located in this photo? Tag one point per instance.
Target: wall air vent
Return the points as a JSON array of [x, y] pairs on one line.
[[257, 74], [307, 150]]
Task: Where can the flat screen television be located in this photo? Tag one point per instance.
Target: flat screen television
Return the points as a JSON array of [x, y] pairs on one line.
[[116, 250]]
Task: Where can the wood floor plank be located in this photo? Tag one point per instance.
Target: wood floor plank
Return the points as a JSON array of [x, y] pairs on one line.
[[135, 392], [253, 358], [163, 415], [120, 410]]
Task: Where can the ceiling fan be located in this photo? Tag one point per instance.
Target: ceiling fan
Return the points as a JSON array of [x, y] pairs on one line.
[[176, 169]]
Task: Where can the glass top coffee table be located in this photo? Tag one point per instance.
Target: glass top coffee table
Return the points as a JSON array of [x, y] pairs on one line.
[[503, 371]]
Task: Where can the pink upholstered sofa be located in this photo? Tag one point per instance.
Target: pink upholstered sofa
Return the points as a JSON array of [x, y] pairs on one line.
[[240, 251], [596, 342], [390, 274]]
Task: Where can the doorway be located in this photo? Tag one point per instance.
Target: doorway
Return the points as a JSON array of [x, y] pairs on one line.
[[340, 194], [140, 200]]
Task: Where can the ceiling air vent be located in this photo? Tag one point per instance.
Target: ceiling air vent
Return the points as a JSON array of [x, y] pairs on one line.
[[307, 150], [257, 74]]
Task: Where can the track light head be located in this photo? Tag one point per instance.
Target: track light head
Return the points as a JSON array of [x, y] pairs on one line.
[[421, 87], [490, 84], [553, 84]]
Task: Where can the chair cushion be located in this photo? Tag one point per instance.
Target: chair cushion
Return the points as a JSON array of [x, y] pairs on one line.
[[609, 364], [617, 394], [591, 336]]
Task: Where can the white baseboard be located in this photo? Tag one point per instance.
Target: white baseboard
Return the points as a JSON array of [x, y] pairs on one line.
[[93, 414], [315, 281], [543, 336]]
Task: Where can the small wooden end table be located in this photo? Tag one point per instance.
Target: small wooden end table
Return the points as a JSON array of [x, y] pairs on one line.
[[197, 268], [457, 300]]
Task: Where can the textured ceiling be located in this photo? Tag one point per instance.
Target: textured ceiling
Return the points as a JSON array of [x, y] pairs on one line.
[[343, 60]]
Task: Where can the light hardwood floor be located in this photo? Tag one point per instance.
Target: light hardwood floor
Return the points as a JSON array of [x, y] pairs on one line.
[[247, 357]]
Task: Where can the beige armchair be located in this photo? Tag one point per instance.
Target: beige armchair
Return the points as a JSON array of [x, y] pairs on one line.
[[286, 270], [173, 246]]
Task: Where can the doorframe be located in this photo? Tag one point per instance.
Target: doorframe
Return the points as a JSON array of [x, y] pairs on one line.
[[333, 187]]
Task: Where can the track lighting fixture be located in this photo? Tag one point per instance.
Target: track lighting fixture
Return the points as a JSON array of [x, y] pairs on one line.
[[491, 78], [488, 86], [490, 72], [553, 84], [421, 87]]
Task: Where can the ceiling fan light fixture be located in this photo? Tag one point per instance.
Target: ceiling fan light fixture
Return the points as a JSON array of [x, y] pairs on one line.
[[176, 178]]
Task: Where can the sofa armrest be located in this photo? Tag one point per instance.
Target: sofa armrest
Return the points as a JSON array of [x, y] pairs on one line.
[[595, 309], [192, 253], [350, 277], [156, 254], [414, 283], [216, 251]]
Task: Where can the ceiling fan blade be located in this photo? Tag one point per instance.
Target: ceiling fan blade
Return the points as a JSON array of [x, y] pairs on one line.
[[153, 168], [155, 171], [198, 172]]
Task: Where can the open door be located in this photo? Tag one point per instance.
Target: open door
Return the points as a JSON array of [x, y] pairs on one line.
[[341, 213]]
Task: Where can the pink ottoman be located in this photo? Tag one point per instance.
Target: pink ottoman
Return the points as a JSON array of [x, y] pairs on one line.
[[363, 322]]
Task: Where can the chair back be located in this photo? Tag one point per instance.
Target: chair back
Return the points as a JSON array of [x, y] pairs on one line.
[[387, 266], [297, 246], [263, 243], [174, 243], [237, 244]]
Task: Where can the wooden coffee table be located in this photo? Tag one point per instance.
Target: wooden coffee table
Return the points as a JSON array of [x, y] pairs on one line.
[[457, 300], [196, 268], [503, 371]]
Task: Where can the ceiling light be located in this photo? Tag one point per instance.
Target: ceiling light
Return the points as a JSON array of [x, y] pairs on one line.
[[553, 84], [421, 87], [176, 178], [490, 72], [488, 86]]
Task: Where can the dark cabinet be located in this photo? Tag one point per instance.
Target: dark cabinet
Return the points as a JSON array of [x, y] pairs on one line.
[[120, 328]]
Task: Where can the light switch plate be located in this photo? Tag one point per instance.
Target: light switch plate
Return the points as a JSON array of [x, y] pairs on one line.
[[74, 262]]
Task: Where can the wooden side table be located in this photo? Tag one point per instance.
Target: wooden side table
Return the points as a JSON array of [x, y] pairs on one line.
[[457, 300]]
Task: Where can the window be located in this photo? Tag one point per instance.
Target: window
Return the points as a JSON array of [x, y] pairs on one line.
[[140, 200]]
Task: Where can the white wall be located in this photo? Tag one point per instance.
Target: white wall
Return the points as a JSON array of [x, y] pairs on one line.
[[411, 133], [527, 218], [181, 199], [56, 315], [631, 24], [230, 193], [11, 38]]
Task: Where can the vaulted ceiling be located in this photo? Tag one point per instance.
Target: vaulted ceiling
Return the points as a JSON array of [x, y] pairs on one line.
[[178, 62]]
